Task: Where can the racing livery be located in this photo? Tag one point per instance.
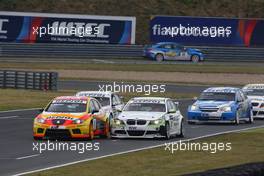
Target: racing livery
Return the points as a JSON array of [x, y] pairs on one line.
[[149, 117], [255, 92], [221, 104], [172, 51], [71, 117], [111, 103]]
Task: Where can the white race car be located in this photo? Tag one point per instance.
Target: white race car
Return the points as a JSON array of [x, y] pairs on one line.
[[148, 117], [111, 102], [255, 92]]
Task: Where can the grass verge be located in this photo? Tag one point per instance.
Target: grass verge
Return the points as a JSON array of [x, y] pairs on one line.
[[195, 68], [20, 99], [247, 147]]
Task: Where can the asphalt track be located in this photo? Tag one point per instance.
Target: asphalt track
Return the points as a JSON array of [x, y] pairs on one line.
[[17, 155]]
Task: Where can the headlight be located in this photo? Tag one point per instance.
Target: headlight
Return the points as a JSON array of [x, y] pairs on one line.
[[118, 122], [78, 121], [155, 122], [225, 108], [194, 107], [40, 120]]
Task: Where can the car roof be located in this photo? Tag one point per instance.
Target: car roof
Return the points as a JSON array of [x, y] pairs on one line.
[[71, 98], [98, 93], [222, 89], [149, 98], [254, 86], [162, 43]]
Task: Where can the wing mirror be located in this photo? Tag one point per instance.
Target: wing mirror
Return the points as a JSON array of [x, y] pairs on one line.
[[41, 109], [94, 111], [172, 111]]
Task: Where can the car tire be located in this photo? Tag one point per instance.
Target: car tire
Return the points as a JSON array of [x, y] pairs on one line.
[[182, 133], [91, 131], [237, 121], [107, 134], [191, 123], [167, 131], [251, 119], [195, 58], [159, 57]]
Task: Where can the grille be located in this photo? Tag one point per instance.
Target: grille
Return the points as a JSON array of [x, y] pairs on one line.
[[255, 104], [152, 132], [141, 122], [57, 133], [58, 121], [40, 130], [261, 113], [209, 109], [255, 113], [135, 133], [134, 122], [76, 131], [120, 131], [131, 122]]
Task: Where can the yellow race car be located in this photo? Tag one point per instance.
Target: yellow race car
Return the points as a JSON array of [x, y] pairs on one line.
[[71, 117]]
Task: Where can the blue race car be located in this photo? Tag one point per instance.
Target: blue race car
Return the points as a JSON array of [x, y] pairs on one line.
[[221, 104], [172, 51]]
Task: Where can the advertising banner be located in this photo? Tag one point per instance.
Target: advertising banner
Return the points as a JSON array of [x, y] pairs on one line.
[[64, 28], [207, 31]]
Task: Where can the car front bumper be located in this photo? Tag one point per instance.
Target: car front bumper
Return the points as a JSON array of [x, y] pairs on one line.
[[137, 131], [220, 117], [258, 112], [52, 131]]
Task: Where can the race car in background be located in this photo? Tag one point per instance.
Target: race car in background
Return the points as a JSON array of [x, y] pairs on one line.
[[111, 102], [221, 104], [148, 117], [71, 117], [172, 51], [255, 92]]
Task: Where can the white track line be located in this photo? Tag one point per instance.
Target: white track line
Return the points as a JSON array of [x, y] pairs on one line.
[[17, 110], [29, 156], [8, 117], [130, 151]]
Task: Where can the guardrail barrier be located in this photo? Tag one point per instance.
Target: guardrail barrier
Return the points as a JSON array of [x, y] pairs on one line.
[[28, 80]]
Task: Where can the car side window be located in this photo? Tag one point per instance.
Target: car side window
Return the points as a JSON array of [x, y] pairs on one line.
[[170, 105], [243, 95], [166, 46], [96, 105], [118, 100], [239, 97], [92, 107], [114, 100]]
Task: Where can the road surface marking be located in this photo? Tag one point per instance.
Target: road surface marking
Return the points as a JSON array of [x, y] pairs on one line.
[[29, 156], [134, 150], [8, 117]]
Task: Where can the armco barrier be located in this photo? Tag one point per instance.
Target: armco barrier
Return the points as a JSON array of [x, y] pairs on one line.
[[72, 52], [28, 80]]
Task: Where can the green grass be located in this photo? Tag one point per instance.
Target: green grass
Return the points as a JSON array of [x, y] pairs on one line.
[[195, 68], [247, 147], [20, 99]]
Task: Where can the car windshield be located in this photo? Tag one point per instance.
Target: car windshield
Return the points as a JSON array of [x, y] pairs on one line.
[[105, 101], [66, 107], [217, 96], [254, 92], [148, 107]]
